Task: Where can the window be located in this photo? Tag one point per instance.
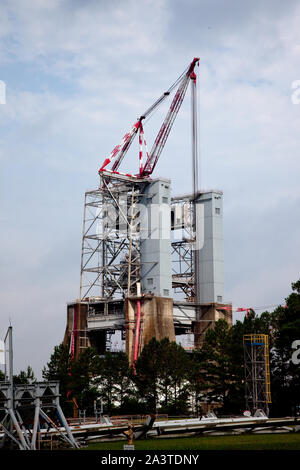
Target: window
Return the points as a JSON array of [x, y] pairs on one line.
[[150, 281], [219, 298], [218, 210], [165, 200], [166, 291]]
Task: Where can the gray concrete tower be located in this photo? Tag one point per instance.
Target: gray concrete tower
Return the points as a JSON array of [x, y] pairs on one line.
[[155, 229], [210, 245]]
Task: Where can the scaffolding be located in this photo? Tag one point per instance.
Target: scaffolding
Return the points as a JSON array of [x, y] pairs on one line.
[[110, 255], [183, 263], [257, 372]]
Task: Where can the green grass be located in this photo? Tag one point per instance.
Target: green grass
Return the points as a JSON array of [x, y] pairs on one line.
[[244, 442]]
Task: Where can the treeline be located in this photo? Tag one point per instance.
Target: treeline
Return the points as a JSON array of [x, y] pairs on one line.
[[167, 379], [24, 377]]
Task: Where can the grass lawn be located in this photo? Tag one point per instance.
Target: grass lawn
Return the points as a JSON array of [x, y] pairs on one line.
[[244, 442]]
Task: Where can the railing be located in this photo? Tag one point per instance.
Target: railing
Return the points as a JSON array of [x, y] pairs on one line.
[[136, 419], [115, 420]]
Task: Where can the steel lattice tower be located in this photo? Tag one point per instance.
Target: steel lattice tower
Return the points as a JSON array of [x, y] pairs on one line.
[[257, 372], [110, 243]]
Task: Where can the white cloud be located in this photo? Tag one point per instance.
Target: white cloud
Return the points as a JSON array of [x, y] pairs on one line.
[[71, 36]]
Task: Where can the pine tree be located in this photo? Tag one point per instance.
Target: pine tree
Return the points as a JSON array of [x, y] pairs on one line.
[[161, 376], [25, 377], [285, 386], [113, 381]]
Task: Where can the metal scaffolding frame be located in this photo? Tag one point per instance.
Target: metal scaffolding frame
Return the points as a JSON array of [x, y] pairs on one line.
[[183, 259], [110, 255], [257, 372]]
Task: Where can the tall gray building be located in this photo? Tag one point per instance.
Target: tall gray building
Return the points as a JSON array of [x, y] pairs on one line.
[[155, 245], [210, 244]]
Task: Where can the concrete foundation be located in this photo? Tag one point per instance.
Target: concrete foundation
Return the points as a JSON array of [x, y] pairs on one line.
[[156, 321], [161, 317], [76, 328]]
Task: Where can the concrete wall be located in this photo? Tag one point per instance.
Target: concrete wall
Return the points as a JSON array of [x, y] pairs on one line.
[[81, 339], [155, 230], [156, 321], [210, 244]]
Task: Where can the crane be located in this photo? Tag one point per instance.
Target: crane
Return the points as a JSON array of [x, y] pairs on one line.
[[145, 170], [152, 157]]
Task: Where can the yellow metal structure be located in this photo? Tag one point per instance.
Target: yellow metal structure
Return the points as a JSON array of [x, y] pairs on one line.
[[257, 366]]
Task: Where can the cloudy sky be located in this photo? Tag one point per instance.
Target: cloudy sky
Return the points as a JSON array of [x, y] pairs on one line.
[[78, 74]]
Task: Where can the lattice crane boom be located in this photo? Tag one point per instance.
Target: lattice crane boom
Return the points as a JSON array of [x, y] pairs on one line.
[[166, 127], [120, 150]]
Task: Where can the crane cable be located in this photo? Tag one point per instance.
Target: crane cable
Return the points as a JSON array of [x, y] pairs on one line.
[[159, 101]]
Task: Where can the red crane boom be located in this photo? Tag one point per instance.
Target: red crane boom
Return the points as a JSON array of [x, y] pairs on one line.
[[120, 150]]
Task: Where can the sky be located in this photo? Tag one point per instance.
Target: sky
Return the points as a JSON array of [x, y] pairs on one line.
[[77, 74]]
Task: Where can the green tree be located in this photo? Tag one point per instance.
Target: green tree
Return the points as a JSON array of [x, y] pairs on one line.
[[173, 376], [25, 377], [147, 368], [223, 374], [197, 381], [113, 381], [161, 376], [59, 368], [82, 371], [74, 376], [285, 384]]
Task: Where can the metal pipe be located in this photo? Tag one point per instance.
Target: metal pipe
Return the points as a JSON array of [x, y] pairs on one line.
[[36, 424], [22, 444], [137, 330]]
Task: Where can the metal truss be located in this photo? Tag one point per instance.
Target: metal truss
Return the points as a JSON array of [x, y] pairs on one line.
[[110, 256], [183, 255], [41, 396], [257, 372]]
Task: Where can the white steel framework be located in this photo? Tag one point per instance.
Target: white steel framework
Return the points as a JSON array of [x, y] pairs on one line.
[[110, 256]]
